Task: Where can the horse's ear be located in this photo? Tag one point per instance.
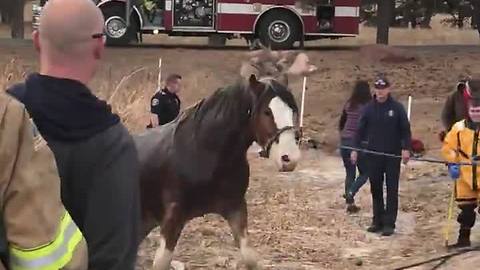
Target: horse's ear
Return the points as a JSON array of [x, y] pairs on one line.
[[301, 66]]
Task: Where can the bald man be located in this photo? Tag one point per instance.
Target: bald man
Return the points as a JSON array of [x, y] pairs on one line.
[[96, 155]]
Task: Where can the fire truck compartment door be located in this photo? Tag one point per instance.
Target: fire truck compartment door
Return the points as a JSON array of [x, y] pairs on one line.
[[193, 13]]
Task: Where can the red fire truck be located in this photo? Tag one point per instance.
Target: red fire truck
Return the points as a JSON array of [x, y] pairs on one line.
[[275, 23]]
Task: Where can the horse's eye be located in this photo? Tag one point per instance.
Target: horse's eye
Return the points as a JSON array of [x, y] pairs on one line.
[[268, 112]]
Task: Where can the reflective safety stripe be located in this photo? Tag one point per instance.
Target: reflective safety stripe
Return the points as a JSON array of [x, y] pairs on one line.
[[52, 256]]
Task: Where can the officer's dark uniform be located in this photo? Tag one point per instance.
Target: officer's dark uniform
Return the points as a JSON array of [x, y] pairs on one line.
[[166, 105], [386, 128]]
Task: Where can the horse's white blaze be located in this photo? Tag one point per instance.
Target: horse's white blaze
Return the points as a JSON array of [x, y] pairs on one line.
[[282, 113], [163, 256], [287, 145]]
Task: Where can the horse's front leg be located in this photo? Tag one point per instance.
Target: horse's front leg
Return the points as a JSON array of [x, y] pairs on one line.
[[171, 228], [237, 219]]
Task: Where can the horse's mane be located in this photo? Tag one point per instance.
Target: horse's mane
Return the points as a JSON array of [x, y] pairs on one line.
[[223, 101], [205, 130]]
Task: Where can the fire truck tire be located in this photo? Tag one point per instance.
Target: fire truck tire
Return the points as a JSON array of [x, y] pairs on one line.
[[279, 30], [117, 32]]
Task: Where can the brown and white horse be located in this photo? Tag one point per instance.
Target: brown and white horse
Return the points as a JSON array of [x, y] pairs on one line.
[[198, 163]]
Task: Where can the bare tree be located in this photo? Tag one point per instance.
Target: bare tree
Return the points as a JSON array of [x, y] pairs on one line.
[[17, 18], [4, 12], [384, 17], [476, 14]]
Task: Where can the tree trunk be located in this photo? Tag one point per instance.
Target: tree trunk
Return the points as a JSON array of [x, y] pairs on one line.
[[4, 12], [384, 17], [476, 14], [392, 13], [16, 19]]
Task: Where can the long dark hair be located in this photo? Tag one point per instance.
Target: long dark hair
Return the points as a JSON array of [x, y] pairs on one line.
[[360, 95]]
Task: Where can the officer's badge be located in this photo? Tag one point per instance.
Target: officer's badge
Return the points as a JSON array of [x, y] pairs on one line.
[[390, 113], [155, 102]]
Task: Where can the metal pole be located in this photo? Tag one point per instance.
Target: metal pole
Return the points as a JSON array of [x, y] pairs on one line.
[[127, 12], [409, 111], [302, 107], [159, 83]]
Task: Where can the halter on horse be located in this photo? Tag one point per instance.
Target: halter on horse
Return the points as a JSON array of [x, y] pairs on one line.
[[198, 164]]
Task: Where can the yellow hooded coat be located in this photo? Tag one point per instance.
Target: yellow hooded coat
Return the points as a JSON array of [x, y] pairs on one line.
[[459, 146]]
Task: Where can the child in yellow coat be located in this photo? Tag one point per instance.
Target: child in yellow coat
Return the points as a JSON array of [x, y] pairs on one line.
[[461, 144]]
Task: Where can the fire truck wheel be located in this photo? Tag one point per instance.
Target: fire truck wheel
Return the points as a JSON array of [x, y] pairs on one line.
[[278, 30], [116, 28]]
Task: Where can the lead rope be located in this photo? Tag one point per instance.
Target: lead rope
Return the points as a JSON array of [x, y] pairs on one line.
[[428, 160]]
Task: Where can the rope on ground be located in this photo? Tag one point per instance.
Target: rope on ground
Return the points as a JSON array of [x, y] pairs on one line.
[[443, 257], [428, 160]]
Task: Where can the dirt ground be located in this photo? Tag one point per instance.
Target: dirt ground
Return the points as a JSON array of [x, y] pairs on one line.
[[297, 220]]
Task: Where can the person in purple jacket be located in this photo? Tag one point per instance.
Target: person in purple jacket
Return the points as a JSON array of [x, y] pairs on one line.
[[352, 111]]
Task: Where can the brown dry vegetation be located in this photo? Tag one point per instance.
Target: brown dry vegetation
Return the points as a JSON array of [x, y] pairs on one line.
[[297, 220]]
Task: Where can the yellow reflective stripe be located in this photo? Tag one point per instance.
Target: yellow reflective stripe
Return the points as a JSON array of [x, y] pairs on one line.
[[52, 256]]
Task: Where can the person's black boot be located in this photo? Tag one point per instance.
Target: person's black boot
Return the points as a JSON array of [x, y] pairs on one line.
[[349, 198], [387, 231], [374, 228], [463, 239], [352, 208]]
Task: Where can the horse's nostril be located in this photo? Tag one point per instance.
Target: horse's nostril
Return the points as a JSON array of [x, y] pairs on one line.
[[285, 158]]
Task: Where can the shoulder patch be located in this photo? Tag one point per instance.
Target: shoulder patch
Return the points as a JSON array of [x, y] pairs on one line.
[[155, 102]]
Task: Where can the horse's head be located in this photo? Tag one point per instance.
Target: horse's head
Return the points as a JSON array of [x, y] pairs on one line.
[[277, 64], [274, 121]]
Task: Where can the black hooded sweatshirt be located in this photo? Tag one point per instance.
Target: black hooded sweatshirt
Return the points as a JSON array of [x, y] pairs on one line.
[[97, 162]]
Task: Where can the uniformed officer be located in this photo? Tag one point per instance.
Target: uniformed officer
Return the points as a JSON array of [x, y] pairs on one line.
[[165, 104], [384, 124]]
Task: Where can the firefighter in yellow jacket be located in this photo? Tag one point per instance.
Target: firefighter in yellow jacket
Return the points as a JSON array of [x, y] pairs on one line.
[[462, 145], [37, 232]]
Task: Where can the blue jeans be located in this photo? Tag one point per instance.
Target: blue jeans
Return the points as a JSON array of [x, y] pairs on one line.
[[352, 182]]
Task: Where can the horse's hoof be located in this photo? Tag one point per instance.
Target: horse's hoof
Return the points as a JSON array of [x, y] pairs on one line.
[[177, 265], [250, 259]]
